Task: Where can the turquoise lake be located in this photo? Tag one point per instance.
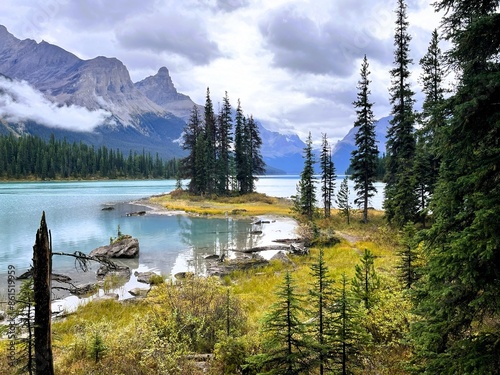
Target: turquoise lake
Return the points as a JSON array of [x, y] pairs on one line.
[[168, 243]]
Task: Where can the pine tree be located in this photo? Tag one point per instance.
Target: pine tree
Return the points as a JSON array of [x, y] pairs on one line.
[[23, 314], [366, 280], [224, 140], [320, 299], [343, 200], [191, 135], [255, 160], [210, 143], [400, 199], [432, 119], [364, 159], [286, 347], [459, 299], [345, 327], [327, 176], [239, 148], [409, 271], [306, 188]]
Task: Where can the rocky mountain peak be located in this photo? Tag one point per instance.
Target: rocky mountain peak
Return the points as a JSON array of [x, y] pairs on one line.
[[161, 90]]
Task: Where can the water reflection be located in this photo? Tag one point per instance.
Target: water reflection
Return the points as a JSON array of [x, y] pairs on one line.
[[211, 236]]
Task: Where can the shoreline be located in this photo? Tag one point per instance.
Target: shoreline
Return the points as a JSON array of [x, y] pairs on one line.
[[271, 228]]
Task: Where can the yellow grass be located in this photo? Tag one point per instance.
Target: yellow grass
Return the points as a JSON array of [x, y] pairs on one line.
[[247, 205]]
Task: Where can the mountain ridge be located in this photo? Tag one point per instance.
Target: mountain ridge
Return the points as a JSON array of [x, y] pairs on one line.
[[52, 90]]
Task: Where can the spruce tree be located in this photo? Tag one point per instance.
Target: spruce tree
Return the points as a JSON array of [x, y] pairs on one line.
[[320, 299], [22, 315], [191, 135], [432, 120], [239, 148], [365, 158], [408, 266], [400, 198], [224, 141], [366, 280], [306, 188], [345, 327], [343, 200], [459, 299], [255, 160], [210, 136], [286, 347], [327, 176]]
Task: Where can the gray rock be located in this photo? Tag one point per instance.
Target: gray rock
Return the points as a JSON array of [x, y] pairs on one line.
[[139, 292], [283, 258], [241, 263], [144, 277], [126, 248], [3, 315], [84, 289], [183, 275], [107, 296], [118, 271]]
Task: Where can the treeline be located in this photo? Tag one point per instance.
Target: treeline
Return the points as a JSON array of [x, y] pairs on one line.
[[220, 162], [31, 157]]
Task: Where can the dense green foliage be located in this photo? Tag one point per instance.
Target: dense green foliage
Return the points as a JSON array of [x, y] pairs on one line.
[[31, 157], [458, 296], [432, 119], [219, 163], [364, 158]]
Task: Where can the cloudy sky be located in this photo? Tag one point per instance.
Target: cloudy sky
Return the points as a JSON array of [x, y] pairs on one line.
[[293, 63]]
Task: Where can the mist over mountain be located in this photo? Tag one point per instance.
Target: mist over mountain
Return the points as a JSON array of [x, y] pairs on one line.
[[46, 90]]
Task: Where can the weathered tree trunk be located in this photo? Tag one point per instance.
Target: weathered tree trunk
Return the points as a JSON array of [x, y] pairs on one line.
[[42, 268]]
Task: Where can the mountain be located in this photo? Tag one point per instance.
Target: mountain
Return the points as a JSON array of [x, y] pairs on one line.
[[161, 90], [51, 83], [341, 152]]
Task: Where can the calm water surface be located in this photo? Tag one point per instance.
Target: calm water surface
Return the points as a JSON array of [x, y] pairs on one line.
[[168, 244]]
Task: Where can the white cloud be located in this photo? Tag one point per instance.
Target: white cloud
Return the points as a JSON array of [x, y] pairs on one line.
[[20, 102]]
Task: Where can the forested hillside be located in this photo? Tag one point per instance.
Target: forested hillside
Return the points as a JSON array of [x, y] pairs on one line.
[[30, 157]]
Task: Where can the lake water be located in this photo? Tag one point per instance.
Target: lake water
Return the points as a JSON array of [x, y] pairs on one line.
[[168, 244]]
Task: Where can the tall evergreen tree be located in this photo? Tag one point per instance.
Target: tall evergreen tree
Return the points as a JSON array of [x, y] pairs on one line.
[[191, 135], [459, 299], [306, 188], [432, 119], [365, 158], [327, 176], [400, 198], [224, 141], [255, 160], [239, 147], [286, 348], [210, 146]]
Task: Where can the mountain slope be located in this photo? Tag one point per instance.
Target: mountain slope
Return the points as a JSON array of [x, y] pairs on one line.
[[341, 152]]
